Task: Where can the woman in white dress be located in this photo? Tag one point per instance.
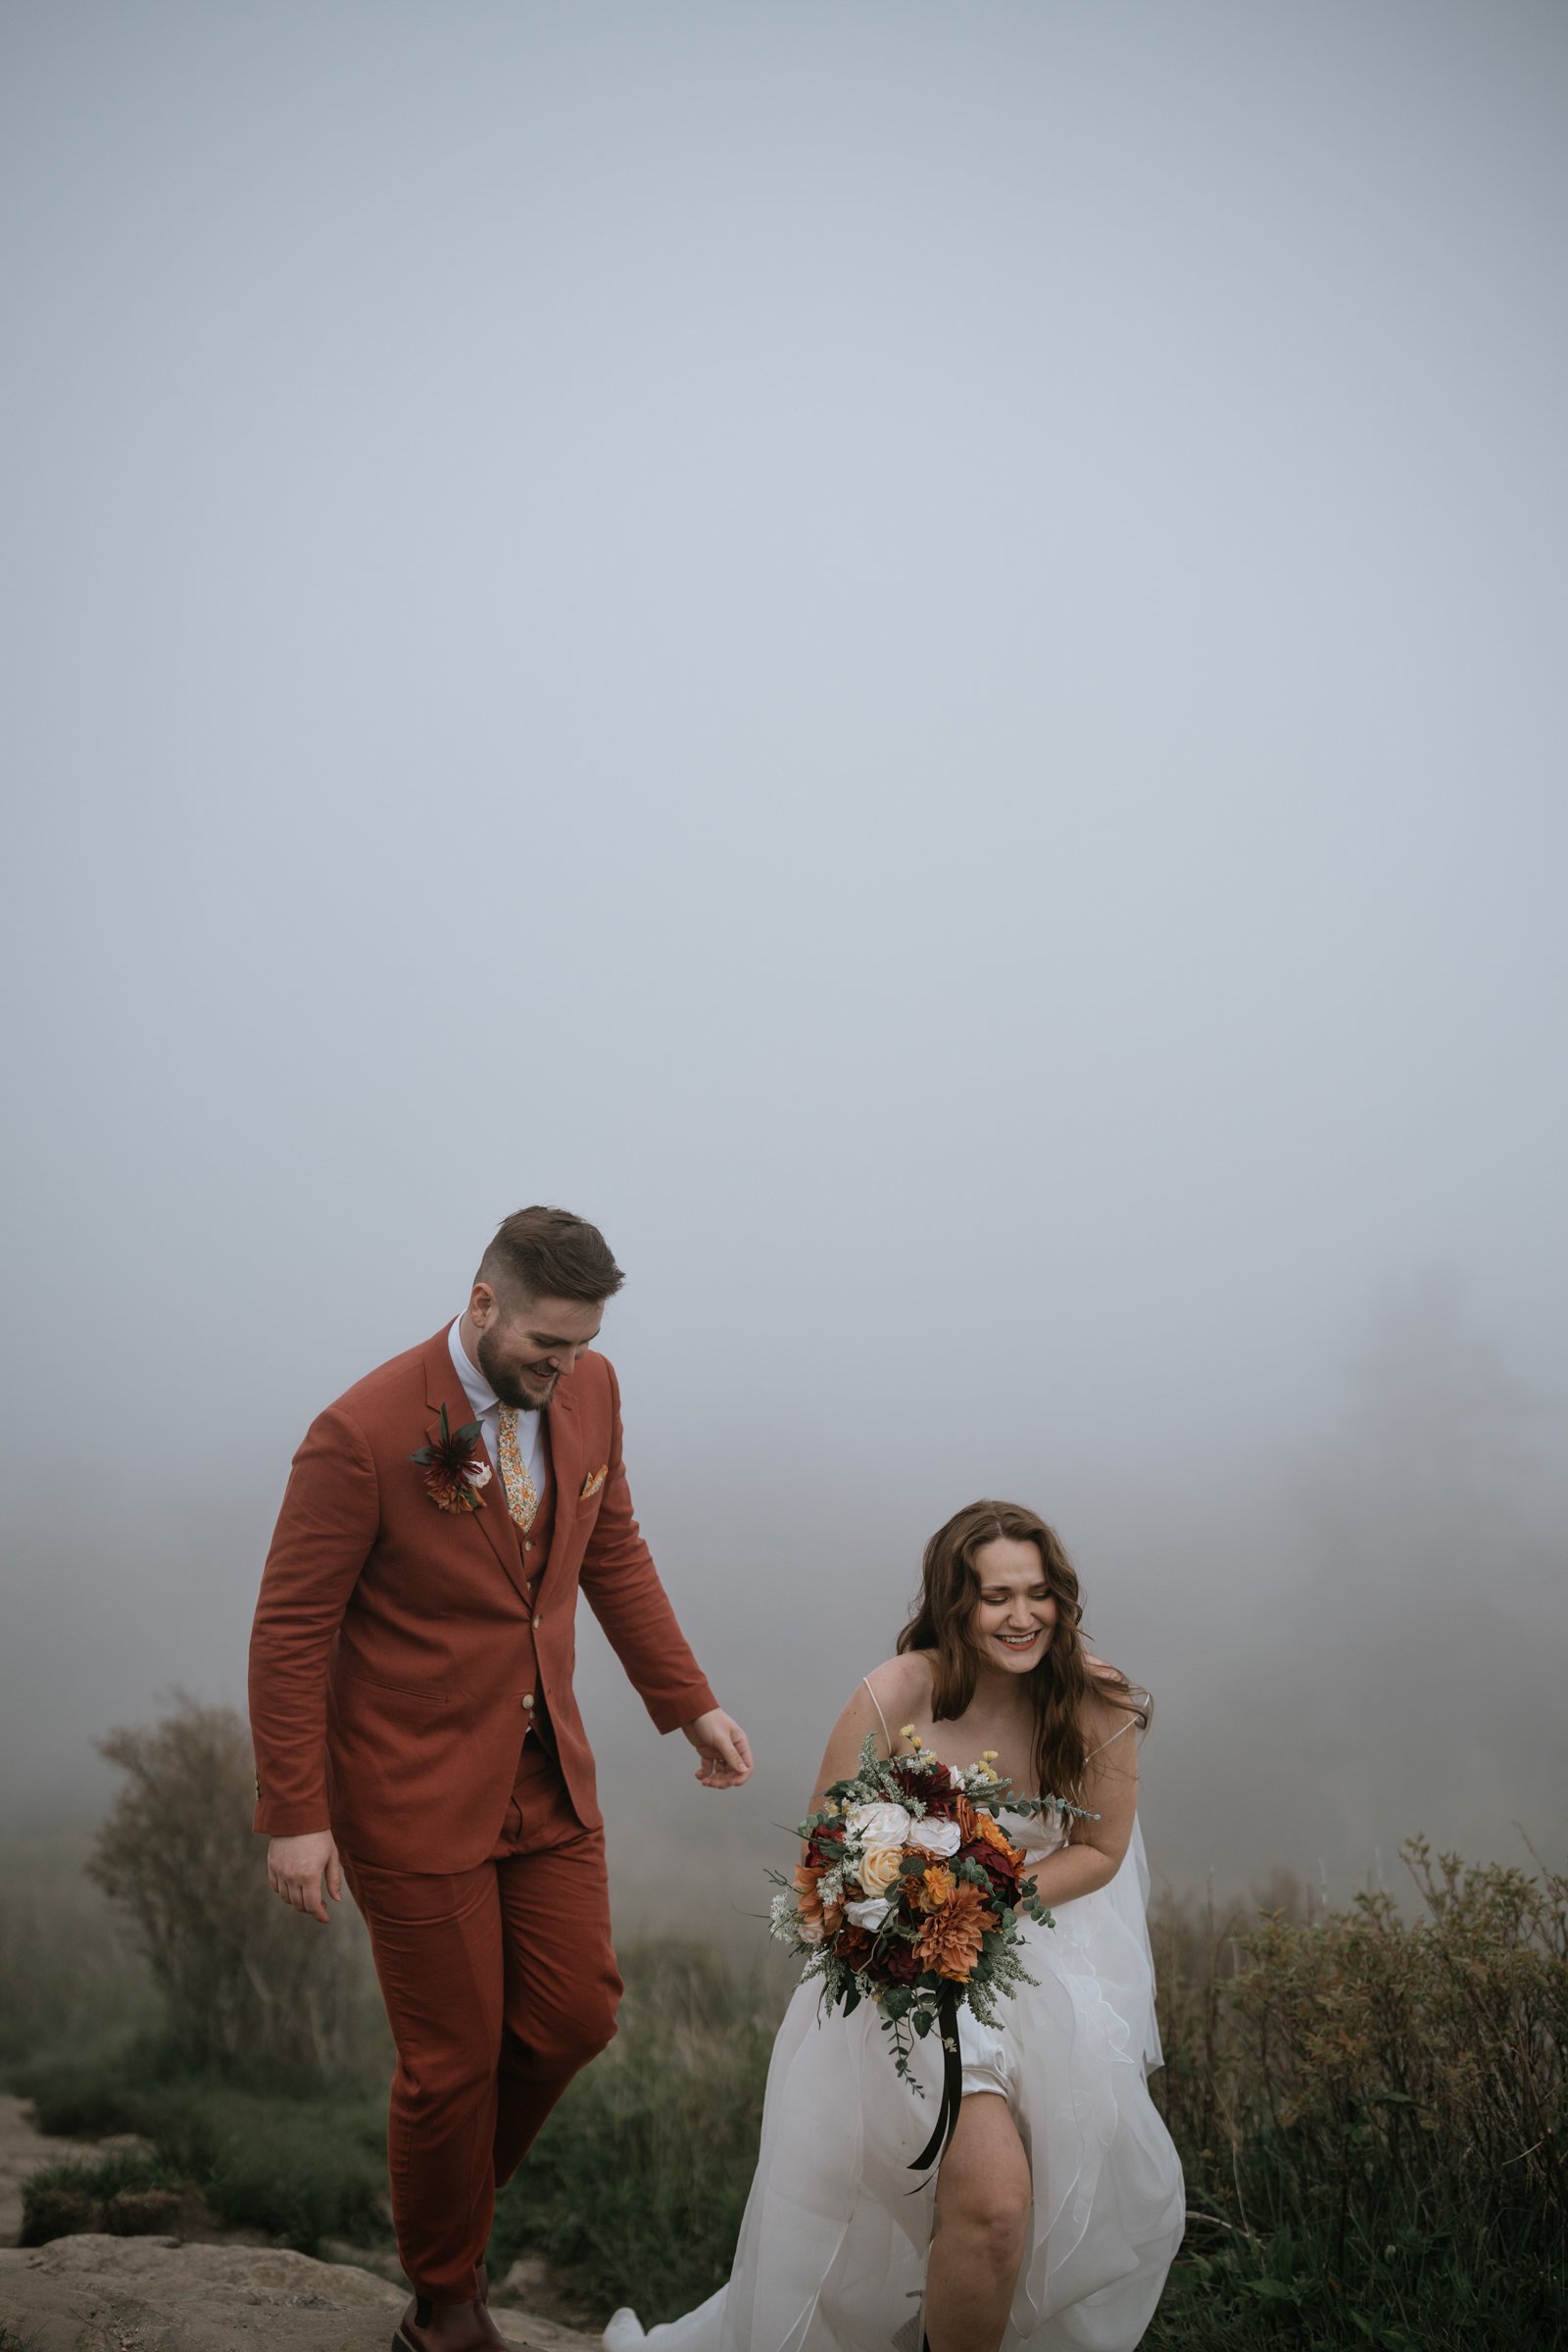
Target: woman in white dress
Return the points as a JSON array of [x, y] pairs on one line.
[[1057, 2208]]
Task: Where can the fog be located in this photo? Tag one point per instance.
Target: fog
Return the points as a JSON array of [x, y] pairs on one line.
[[911, 654]]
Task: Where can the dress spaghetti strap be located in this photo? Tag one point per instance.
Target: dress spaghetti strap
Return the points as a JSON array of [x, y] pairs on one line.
[[1093, 1751], [881, 1718]]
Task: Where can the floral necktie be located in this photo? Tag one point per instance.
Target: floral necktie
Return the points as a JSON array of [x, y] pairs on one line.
[[523, 1495]]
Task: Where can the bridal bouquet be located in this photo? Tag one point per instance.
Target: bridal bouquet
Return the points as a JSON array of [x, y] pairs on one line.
[[909, 1896]]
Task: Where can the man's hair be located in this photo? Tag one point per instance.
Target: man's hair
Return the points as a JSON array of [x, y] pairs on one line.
[[549, 1254]]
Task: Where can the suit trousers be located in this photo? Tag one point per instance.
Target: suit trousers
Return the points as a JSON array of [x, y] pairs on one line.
[[500, 1984]]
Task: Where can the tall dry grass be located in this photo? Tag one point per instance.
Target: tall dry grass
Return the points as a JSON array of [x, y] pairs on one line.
[[1372, 2110]]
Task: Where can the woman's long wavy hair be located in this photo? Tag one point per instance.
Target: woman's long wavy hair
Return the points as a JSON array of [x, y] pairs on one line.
[[1061, 1686]]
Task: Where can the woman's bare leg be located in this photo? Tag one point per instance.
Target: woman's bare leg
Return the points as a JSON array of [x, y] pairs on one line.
[[983, 2196]]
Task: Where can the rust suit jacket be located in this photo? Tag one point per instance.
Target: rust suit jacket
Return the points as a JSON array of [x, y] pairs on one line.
[[395, 1642]]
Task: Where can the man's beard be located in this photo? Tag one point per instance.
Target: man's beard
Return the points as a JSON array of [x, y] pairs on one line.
[[507, 1384]]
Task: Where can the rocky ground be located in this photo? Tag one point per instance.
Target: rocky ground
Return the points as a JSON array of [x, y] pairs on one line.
[[215, 2291]]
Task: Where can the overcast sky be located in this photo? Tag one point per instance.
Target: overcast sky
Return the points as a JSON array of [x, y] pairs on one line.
[[913, 654]]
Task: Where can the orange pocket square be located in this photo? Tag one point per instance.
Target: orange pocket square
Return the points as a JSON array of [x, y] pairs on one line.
[[591, 1486]]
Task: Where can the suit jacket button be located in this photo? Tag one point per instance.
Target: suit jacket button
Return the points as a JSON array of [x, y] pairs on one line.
[[528, 1701], [528, 1546]]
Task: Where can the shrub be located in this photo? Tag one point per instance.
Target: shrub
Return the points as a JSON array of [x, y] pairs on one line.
[[1372, 2112], [250, 1988], [83, 2097], [301, 2170], [66, 1975]]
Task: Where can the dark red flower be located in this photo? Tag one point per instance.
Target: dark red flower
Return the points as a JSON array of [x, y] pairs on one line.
[[853, 1947], [453, 1468], [895, 1962], [926, 1782], [998, 1868]]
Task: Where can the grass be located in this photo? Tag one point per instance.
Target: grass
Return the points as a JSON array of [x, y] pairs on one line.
[[1371, 2108], [303, 2170], [1372, 2112], [635, 2188], [128, 2195]]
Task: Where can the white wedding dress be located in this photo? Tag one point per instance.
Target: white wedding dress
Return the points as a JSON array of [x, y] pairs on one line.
[[833, 2246]]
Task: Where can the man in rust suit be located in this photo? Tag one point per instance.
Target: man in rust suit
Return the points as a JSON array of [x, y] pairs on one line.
[[416, 1731]]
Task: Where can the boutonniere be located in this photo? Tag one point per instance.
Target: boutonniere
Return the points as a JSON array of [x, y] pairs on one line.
[[453, 1472], [592, 1485]]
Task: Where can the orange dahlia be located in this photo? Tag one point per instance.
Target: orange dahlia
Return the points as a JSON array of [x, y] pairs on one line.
[[949, 1942], [809, 1900]]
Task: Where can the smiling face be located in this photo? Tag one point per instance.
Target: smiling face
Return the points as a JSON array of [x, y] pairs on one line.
[[1013, 1618], [524, 1345]]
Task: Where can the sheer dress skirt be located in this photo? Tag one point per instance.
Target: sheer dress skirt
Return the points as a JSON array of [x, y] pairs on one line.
[[832, 2250]]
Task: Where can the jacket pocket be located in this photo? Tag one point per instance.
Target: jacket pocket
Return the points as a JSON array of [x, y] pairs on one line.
[[434, 1693]]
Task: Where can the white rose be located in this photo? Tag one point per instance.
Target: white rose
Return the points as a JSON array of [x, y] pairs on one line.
[[869, 1914], [878, 1825], [477, 1472], [809, 1931], [935, 1837]]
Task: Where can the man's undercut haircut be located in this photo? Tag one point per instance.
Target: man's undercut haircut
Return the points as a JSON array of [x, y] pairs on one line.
[[549, 1254]]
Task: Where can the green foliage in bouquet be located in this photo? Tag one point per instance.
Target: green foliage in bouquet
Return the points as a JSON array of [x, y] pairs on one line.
[[910, 1893]]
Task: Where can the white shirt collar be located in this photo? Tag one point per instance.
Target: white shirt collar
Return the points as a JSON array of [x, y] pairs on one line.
[[477, 1389]]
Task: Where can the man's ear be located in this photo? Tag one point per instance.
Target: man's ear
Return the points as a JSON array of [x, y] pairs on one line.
[[481, 1306]]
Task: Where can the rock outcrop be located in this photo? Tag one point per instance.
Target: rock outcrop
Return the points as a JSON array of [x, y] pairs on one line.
[[95, 2293]]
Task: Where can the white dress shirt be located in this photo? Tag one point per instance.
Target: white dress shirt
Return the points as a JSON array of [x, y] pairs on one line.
[[487, 1412]]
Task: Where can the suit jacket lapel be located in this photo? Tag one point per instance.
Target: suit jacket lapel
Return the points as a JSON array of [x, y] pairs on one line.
[[444, 1388], [565, 1466]]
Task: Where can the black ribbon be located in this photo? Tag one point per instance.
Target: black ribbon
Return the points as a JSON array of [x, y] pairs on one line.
[[936, 2147]]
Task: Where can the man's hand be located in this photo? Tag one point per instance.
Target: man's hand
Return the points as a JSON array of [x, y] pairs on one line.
[[723, 1747], [296, 1865]]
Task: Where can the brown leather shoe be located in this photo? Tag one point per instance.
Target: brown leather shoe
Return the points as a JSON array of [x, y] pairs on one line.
[[448, 2328]]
